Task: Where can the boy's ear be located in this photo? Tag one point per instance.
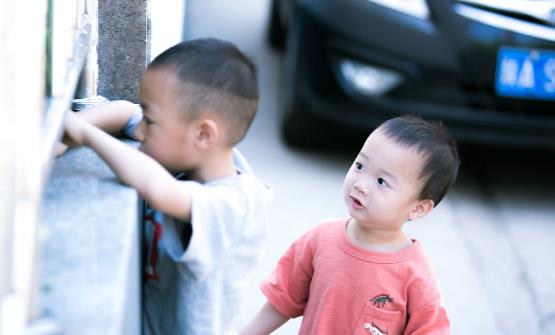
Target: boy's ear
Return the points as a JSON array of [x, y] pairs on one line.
[[207, 133], [422, 208]]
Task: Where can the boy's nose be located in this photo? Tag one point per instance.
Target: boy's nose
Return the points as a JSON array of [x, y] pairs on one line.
[[359, 186]]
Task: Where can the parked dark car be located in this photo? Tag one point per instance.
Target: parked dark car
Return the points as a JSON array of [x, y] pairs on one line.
[[485, 68]]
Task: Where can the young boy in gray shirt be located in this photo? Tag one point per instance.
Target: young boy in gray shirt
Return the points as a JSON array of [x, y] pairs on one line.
[[205, 216]]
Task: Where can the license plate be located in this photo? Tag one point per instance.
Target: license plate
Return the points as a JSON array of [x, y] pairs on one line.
[[525, 74]]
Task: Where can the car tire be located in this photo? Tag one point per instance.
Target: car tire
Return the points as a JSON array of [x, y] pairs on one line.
[[298, 128], [276, 30]]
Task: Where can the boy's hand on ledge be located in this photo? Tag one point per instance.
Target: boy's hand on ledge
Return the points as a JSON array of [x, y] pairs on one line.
[[67, 141], [60, 148], [75, 127]]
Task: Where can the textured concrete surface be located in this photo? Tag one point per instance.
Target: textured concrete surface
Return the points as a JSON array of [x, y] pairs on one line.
[[123, 47], [90, 248]]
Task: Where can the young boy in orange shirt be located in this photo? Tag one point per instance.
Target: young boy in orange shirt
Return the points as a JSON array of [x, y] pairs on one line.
[[362, 274]]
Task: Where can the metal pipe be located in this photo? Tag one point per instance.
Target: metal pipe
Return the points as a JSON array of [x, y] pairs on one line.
[[86, 94]]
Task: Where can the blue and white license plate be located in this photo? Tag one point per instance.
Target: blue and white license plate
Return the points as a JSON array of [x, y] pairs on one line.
[[525, 73]]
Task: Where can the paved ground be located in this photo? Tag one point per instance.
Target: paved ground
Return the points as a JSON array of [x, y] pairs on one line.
[[492, 240]]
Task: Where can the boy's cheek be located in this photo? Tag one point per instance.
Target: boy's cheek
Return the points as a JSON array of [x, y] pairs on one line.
[[348, 182], [139, 135], [346, 190]]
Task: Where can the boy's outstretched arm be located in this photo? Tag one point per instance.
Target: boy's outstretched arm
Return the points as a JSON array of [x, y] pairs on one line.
[[266, 321], [134, 168], [110, 116]]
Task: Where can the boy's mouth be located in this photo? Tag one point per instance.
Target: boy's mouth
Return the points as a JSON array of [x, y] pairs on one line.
[[356, 203]]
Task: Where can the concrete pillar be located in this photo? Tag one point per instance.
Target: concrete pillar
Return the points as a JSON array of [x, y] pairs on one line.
[[123, 47]]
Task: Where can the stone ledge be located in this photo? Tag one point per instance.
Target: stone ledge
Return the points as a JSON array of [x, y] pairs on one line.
[[90, 241]]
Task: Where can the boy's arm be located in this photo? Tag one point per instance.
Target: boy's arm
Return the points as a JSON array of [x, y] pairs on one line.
[[111, 116], [132, 167], [266, 321]]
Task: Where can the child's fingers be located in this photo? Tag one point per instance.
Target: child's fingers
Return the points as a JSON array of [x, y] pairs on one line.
[[73, 130], [67, 139], [59, 149]]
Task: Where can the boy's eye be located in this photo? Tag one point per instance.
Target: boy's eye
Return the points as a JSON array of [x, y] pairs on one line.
[[359, 166], [382, 182]]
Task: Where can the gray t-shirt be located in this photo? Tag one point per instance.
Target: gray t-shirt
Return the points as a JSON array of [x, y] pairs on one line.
[[198, 290]]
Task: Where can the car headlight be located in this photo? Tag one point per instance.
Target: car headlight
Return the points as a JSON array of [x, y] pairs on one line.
[[368, 79], [417, 8]]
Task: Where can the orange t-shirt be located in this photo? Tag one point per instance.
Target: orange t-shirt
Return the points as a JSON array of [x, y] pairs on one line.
[[342, 289]]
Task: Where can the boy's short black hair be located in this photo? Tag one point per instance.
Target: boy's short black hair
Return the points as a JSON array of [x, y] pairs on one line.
[[216, 76], [441, 158]]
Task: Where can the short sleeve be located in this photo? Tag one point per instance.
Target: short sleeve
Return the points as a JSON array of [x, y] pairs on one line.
[[226, 219], [431, 319], [426, 314], [287, 287]]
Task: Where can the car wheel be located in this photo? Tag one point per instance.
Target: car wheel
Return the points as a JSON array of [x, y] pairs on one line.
[[298, 128], [276, 29]]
